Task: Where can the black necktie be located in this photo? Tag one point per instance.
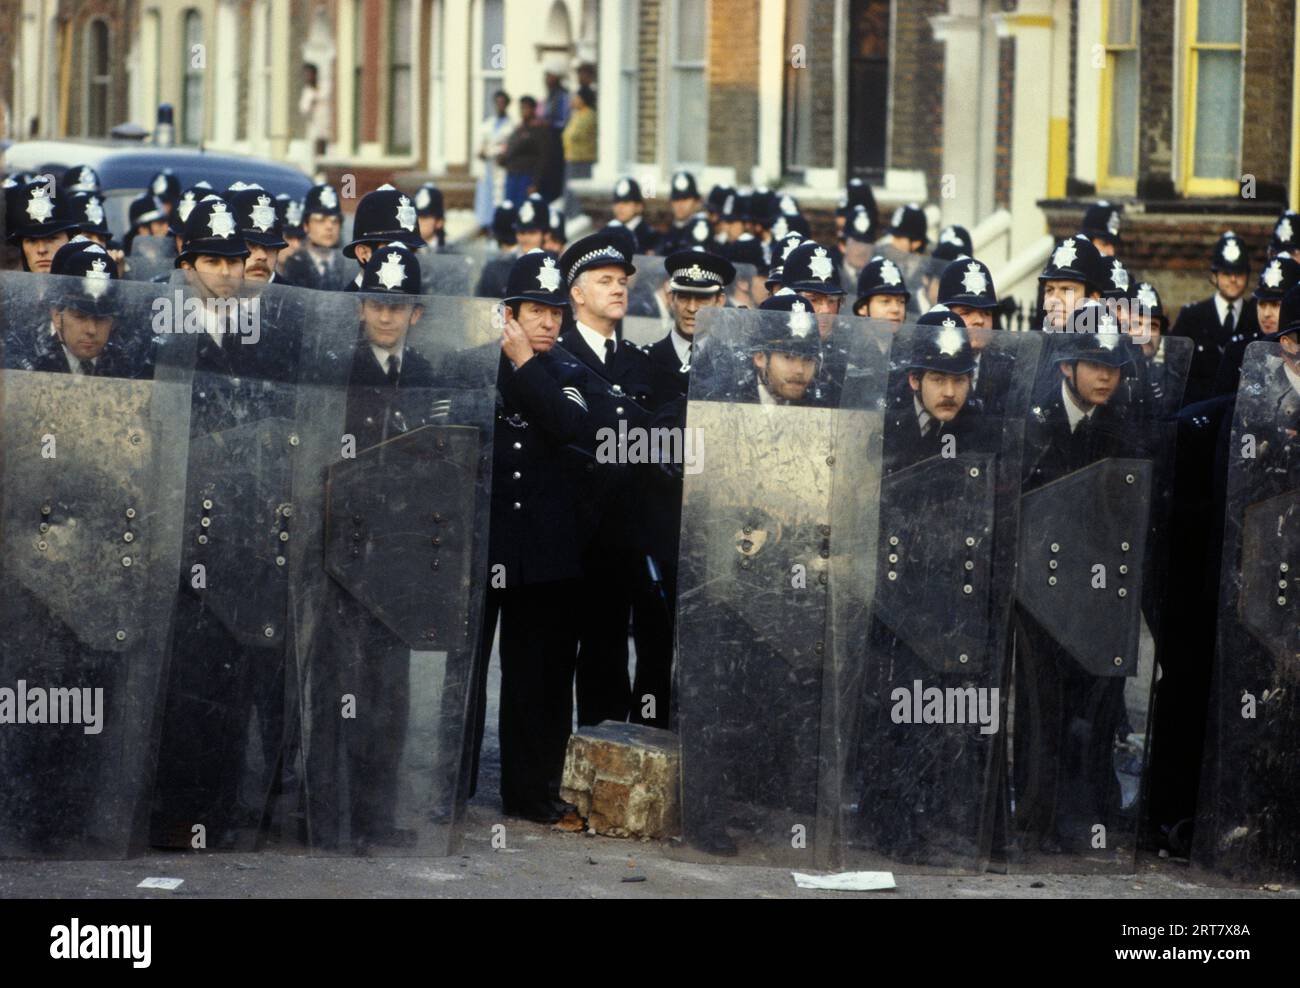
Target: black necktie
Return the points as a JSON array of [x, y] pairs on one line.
[[392, 369], [1229, 324], [88, 367], [609, 352]]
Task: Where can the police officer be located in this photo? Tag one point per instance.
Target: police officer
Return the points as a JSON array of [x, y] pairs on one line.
[[1217, 323], [629, 209], [166, 188], [319, 264], [957, 236], [79, 178], [857, 193], [809, 271], [858, 243], [35, 224], [432, 216], [787, 356], [1071, 276], [1116, 281], [733, 217], [779, 250], [696, 280], [496, 270], [289, 212], [555, 238], [966, 287], [259, 225], [534, 542], [383, 216], [1101, 223], [86, 211], [1286, 236], [596, 269], [684, 201], [748, 254], [87, 341], [881, 293], [908, 229]]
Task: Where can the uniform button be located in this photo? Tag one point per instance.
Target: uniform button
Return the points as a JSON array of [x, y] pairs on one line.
[[518, 475], [519, 445], [517, 505], [618, 410]]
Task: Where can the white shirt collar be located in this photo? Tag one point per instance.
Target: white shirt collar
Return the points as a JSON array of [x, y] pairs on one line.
[[633, 223], [74, 363], [595, 340], [682, 346], [383, 353], [213, 325], [1073, 414], [1221, 307]]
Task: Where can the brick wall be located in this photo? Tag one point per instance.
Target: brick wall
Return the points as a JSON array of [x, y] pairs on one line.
[[647, 99], [917, 89], [732, 79], [1266, 125], [1156, 99]]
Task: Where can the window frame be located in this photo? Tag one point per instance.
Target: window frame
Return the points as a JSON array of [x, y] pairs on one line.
[[676, 66], [1117, 184], [1192, 184], [197, 77], [94, 80], [392, 49], [629, 77]]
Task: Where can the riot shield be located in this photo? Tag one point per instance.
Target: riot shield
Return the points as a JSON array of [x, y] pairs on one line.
[[224, 728], [388, 577], [914, 268], [921, 590], [645, 330], [447, 274], [753, 620], [151, 259], [1096, 484], [91, 529], [648, 288], [1247, 824]]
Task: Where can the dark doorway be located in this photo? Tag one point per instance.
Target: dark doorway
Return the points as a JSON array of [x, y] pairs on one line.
[[868, 89]]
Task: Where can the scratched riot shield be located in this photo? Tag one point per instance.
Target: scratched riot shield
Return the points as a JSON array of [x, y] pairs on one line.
[[921, 588], [1095, 491], [224, 726], [91, 451], [753, 620], [1248, 826], [393, 473], [447, 274]]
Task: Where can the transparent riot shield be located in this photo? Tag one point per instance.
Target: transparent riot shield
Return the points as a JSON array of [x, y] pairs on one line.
[[151, 259], [1248, 827], [921, 588], [1097, 479], [748, 289], [753, 620], [647, 290], [645, 330], [393, 477], [92, 452], [447, 274], [222, 750]]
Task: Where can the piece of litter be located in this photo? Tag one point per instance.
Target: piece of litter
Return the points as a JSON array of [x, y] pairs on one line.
[[161, 883], [1271, 887], [634, 878], [847, 881]]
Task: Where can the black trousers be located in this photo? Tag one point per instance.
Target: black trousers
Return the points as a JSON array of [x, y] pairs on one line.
[[604, 609], [654, 611], [539, 645]]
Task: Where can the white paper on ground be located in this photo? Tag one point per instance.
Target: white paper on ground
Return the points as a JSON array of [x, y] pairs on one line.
[[161, 883], [847, 881]]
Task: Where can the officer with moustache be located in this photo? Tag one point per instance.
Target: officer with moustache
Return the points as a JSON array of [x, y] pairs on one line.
[[541, 409], [620, 393], [259, 225]]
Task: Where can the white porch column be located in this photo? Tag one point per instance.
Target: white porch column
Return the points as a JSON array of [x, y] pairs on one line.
[[457, 107], [963, 116]]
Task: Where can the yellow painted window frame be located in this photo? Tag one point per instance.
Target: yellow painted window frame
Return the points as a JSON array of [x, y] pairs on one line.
[[1192, 185], [1106, 182]]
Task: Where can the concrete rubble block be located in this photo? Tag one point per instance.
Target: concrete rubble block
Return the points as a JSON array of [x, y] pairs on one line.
[[624, 778]]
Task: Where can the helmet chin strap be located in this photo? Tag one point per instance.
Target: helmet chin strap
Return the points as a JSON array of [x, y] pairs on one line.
[[1069, 383]]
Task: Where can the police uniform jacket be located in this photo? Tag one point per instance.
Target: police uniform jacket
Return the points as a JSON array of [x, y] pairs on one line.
[[378, 409], [1200, 323], [300, 271], [541, 409], [1053, 451], [668, 379]]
